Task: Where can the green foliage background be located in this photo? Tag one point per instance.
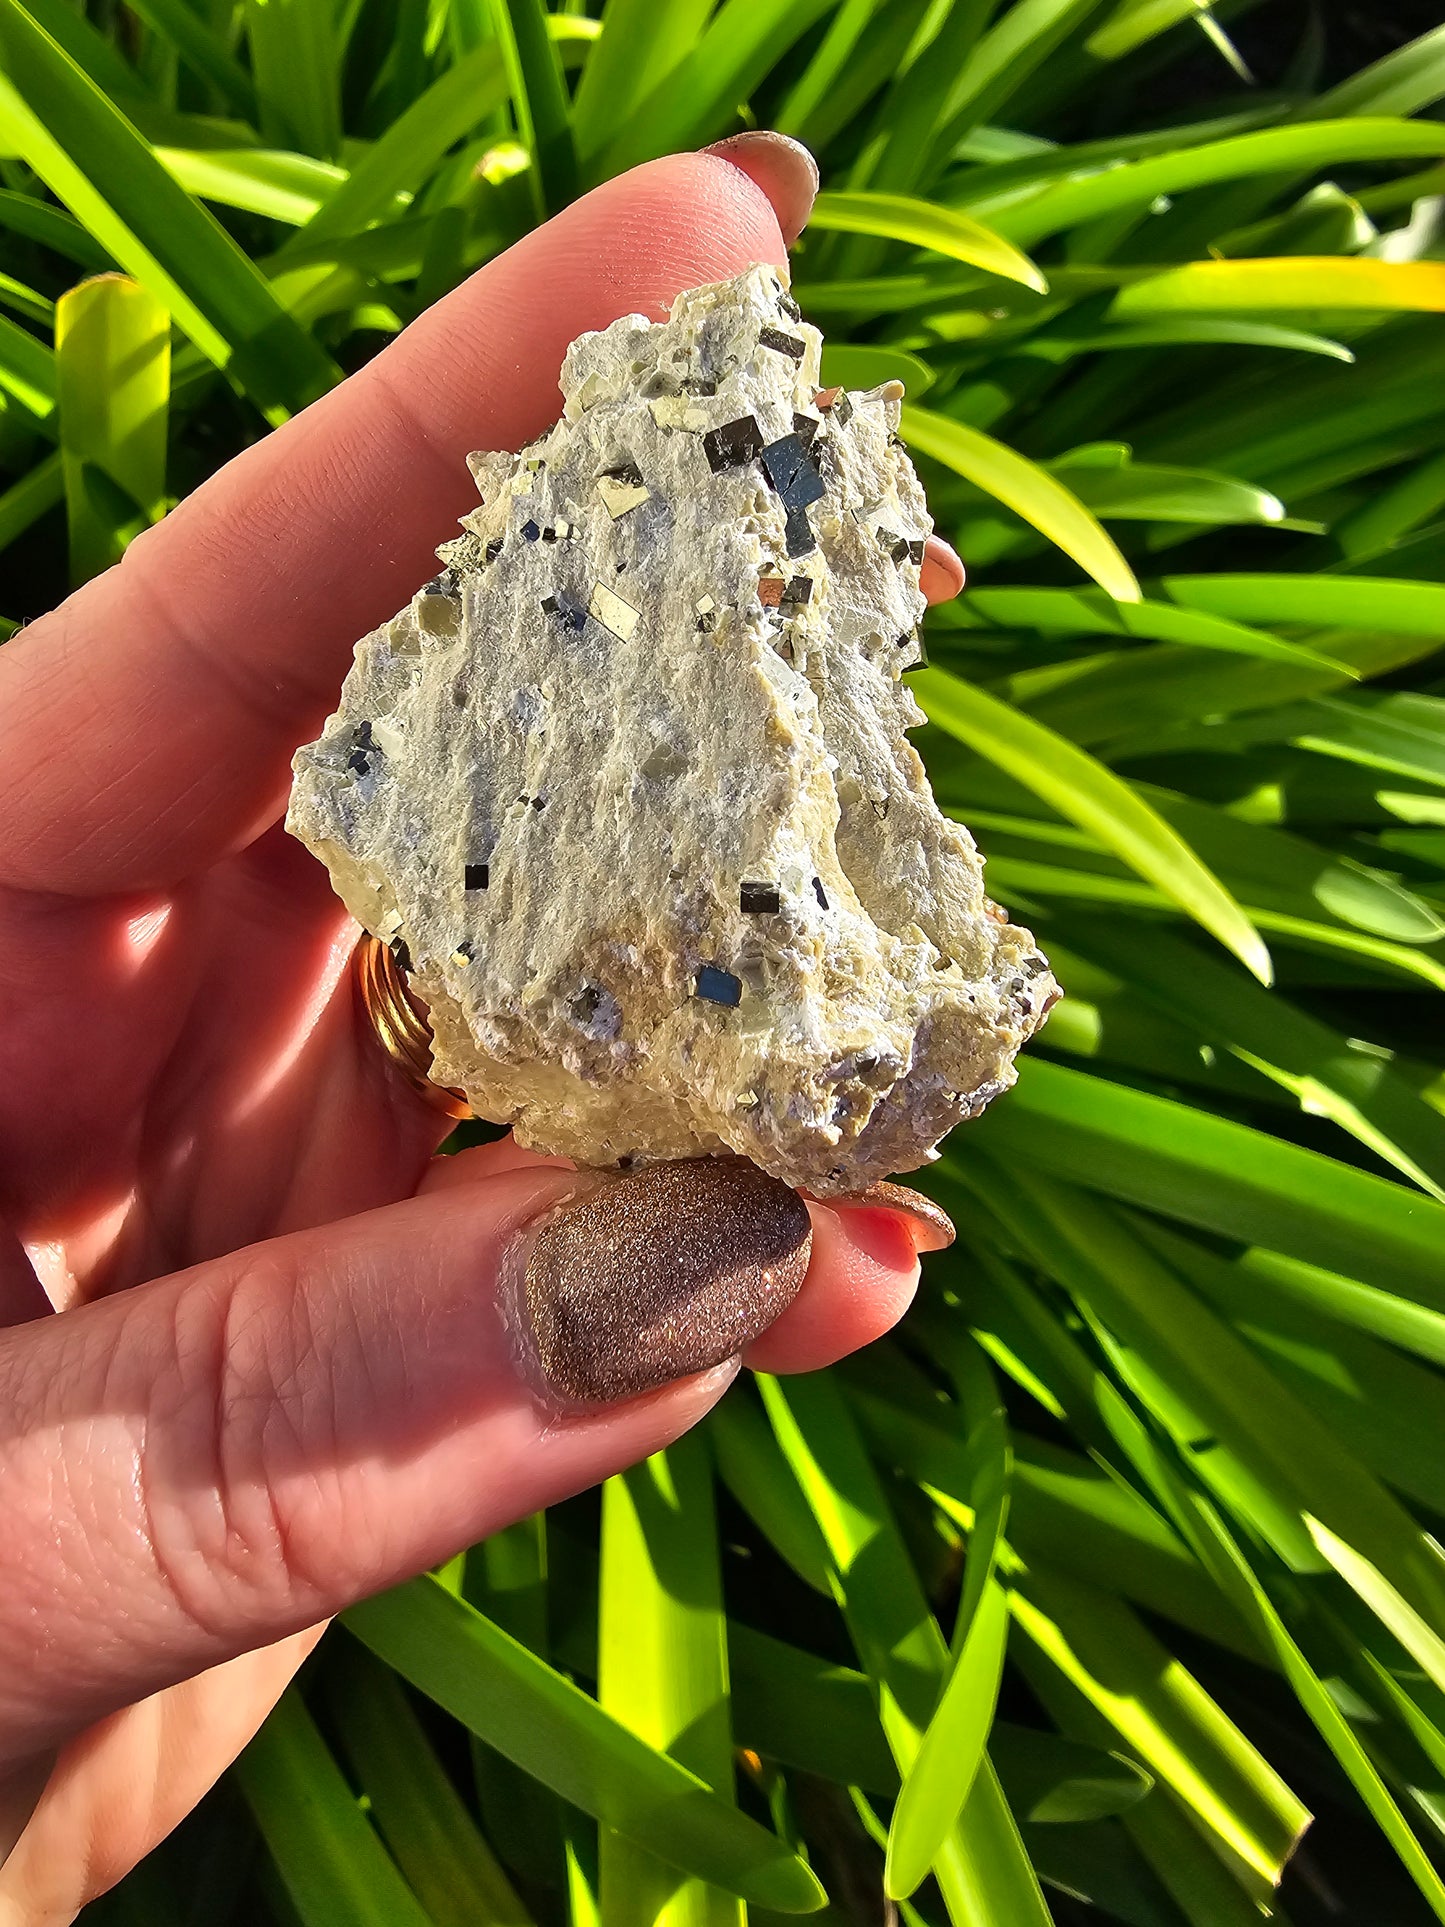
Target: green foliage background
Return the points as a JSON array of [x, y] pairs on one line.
[[1117, 1559]]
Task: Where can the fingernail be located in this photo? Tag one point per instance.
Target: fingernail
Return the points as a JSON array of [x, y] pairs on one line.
[[782, 167], [943, 571], [662, 1273], [929, 1225]]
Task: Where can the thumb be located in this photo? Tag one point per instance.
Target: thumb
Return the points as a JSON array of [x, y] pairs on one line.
[[207, 1463]]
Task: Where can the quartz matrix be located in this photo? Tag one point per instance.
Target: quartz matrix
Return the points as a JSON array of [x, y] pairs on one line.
[[627, 789]]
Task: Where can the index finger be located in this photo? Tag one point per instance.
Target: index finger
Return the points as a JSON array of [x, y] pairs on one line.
[[180, 682]]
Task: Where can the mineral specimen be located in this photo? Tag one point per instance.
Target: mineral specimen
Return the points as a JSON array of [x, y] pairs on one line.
[[626, 787]]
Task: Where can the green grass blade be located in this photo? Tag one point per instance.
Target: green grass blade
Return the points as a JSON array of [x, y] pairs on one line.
[[754, 1470], [451, 1869], [698, 100], [1413, 1327], [296, 71], [1403, 82], [1384, 1408], [846, 365], [96, 163], [1091, 795], [1067, 1514], [1028, 490], [1419, 1639], [830, 63], [113, 370], [34, 495], [333, 1867], [662, 1666], [805, 1712], [952, 1750], [445, 113], [1320, 1706], [1276, 150], [1161, 1714], [30, 303], [27, 373], [1077, 612], [1398, 732], [539, 100], [1329, 1076], [1201, 1381], [923, 224], [1383, 518], [204, 51], [1053, 1781], [865, 39], [1224, 1177], [642, 42], [1293, 283], [508, 1578], [904, 149], [981, 1867], [53, 228], [1018, 42], [1184, 331], [939, 1781], [283, 187], [1155, 492], [1134, 22], [545, 1726], [89, 48], [1199, 1883], [1372, 602]]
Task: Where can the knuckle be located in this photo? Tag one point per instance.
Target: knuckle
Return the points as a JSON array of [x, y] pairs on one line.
[[239, 1421]]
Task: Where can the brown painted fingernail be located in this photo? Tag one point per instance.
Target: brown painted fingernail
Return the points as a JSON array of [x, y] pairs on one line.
[[667, 1271], [929, 1224], [782, 167]]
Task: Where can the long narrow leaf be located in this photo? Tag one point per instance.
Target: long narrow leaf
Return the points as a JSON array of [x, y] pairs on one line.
[[335, 1870], [113, 365], [97, 164], [1028, 490], [1137, 183], [900, 217], [1298, 282], [1091, 795], [662, 1665], [545, 1726], [539, 100], [1223, 1176]]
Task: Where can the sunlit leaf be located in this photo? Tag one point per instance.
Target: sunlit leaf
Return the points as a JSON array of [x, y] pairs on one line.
[[1028, 490], [96, 163], [1294, 282], [1091, 795], [542, 1723], [900, 217], [113, 372]]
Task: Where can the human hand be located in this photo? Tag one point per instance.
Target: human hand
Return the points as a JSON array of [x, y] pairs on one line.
[[278, 1380]]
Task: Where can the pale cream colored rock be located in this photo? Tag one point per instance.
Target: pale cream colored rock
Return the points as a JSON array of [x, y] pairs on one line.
[[622, 703]]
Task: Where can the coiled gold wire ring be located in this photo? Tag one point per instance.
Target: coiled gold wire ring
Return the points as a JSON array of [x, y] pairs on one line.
[[399, 1024]]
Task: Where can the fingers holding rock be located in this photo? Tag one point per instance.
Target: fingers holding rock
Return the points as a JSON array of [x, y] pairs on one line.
[[214, 1461]]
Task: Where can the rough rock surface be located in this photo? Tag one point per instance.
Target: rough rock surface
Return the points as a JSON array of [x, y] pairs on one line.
[[627, 788]]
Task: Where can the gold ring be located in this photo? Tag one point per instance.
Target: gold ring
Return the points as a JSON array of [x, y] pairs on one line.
[[400, 1024]]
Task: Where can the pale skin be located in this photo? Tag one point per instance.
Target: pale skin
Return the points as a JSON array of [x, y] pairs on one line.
[[249, 1370]]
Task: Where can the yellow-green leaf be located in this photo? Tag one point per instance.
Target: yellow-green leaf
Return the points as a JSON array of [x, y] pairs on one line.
[[1090, 794], [902, 217], [1030, 491], [869, 364], [113, 372], [1289, 282]]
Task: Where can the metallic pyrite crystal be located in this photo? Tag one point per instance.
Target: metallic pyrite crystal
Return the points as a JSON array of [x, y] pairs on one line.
[[627, 788]]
